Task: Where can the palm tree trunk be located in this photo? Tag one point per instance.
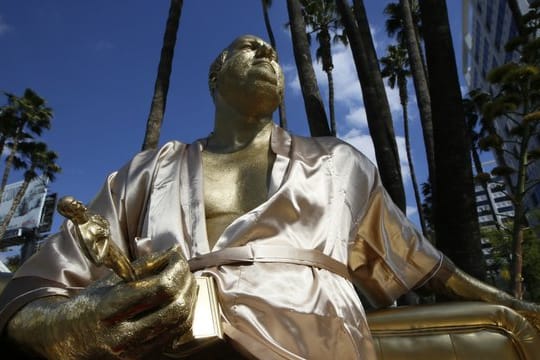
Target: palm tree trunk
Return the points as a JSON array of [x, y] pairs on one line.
[[161, 87], [9, 163], [3, 140], [517, 231], [317, 120], [375, 100], [517, 260], [265, 6], [16, 201], [404, 99], [7, 170], [455, 215], [519, 214], [331, 110], [420, 84], [328, 66]]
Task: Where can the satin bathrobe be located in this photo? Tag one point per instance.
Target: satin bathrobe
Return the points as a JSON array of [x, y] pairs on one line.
[[324, 196]]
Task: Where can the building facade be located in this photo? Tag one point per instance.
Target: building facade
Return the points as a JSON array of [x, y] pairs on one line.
[[494, 209], [487, 26], [494, 206]]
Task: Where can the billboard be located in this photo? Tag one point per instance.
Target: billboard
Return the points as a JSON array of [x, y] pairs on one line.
[[28, 213]]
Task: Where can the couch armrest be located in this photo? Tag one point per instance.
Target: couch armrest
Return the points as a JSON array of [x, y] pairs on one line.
[[456, 330]]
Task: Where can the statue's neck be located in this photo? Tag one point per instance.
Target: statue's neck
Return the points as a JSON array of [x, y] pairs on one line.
[[234, 131]]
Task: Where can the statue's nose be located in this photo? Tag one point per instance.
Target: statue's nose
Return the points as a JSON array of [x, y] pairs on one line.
[[265, 51]]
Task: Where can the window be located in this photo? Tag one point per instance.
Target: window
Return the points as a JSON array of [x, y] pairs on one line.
[[505, 209], [480, 198]]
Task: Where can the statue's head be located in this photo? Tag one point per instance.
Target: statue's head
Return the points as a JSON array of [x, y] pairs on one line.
[[72, 209], [247, 73]]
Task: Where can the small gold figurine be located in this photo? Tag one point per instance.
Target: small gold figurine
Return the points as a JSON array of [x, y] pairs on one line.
[[94, 238]]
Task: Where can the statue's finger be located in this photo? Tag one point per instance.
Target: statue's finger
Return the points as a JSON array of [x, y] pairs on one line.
[[128, 300]]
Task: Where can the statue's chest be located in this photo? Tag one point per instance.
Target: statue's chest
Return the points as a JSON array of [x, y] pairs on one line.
[[233, 185]]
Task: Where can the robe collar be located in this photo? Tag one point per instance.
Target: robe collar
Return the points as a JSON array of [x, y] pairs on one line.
[[280, 145]]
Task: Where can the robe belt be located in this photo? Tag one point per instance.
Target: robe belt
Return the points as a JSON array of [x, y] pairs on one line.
[[267, 253]]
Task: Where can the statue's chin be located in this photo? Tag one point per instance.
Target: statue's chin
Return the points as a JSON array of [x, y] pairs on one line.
[[259, 100]]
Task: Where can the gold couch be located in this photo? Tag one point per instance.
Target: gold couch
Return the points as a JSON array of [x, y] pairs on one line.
[[455, 330]]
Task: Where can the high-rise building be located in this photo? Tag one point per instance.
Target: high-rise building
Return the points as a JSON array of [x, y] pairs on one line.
[[494, 209], [494, 206], [487, 26]]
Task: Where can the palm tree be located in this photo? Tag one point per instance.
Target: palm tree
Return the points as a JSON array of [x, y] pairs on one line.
[[321, 17], [404, 22], [427, 210], [410, 12], [488, 133], [7, 125], [375, 100], [396, 69], [161, 87], [398, 25], [515, 101], [317, 120], [266, 4], [40, 161], [455, 215], [22, 118]]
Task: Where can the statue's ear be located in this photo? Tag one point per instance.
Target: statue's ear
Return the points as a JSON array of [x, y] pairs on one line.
[[212, 78], [215, 68]]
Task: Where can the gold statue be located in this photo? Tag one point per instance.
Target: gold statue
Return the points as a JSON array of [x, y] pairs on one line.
[[286, 225], [94, 238]]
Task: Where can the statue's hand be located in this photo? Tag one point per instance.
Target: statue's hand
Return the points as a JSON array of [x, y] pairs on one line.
[[530, 311], [113, 319]]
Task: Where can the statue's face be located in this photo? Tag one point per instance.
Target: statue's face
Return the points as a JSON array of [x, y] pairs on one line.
[[251, 79]]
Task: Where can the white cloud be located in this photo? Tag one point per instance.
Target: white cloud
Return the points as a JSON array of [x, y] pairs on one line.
[[412, 210], [4, 27], [374, 33], [356, 117], [289, 71], [347, 88], [361, 140], [464, 91], [346, 85], [404, 164], [393, 99]]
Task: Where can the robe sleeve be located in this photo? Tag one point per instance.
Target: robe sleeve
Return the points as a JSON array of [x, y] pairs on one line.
[[59, 267], [388, 256]]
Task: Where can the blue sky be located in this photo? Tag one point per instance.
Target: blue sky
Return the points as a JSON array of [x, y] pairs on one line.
[[95, 63]]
